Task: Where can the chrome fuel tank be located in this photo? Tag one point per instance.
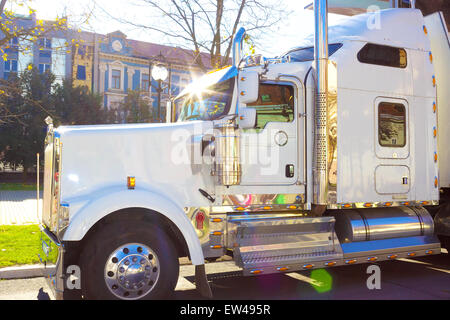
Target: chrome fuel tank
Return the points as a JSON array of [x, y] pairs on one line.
[[382, 223]]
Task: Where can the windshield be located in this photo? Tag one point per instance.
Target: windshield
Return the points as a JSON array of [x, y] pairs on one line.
[[207, 104], [307, 54]]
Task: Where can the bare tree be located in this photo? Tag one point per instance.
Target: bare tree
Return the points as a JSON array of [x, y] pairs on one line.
[[206, 25]]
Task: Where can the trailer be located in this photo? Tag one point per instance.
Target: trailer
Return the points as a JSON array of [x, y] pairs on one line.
[[331, 154]]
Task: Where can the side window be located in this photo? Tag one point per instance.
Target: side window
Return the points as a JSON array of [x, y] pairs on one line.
[[391, 125], [275, 104], [383, 56]]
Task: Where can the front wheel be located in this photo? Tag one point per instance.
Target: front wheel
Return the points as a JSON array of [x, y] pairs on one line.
[[129, 261]]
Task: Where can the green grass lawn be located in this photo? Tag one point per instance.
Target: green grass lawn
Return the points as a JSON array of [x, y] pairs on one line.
[[17, 186], [19, 245]]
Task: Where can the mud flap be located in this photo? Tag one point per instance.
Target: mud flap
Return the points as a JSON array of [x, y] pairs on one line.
[[201, 282]]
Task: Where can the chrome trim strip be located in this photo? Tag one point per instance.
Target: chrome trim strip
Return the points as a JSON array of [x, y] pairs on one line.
[[383, 204]]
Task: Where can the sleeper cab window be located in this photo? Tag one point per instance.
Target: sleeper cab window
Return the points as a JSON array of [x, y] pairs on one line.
[[383, 55], [391, 125], [275, 104]]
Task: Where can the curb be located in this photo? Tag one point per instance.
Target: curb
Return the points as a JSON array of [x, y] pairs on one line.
[[19, 272]]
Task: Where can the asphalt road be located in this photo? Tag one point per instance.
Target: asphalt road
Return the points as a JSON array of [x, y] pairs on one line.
[[406, 279]]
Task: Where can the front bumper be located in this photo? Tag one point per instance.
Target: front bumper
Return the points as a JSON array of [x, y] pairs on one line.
[[51, 253]]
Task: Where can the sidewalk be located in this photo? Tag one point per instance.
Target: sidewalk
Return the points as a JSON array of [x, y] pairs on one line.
[[18, 207]]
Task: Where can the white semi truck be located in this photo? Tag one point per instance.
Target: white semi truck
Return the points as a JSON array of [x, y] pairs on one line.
[[332, 154]]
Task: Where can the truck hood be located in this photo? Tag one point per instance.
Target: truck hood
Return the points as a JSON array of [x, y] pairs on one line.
[[159, 156]]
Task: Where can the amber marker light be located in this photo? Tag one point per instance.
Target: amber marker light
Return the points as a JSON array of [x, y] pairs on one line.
[[429, 251], [330, 264], [434, 81], [435, 157], [216, 233], [216, 247], [256, 271], [371, 259], [431, 57], [425, 30], [281, 269], [308, 266], [412, 254], [131, 182], [216, 220], [347, 205], [368, 204], [392, 256], [352, 261], [434, 107]]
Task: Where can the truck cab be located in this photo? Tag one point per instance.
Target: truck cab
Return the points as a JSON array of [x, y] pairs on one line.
[[293, 163]]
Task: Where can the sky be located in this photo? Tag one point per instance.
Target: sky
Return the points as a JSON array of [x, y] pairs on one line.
[[288, 33]]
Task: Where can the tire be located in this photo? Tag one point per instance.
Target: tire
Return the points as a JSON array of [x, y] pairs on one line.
[[152, 269], [446, 245]]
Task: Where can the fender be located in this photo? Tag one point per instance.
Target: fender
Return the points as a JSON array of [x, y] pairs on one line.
[[109, 200]]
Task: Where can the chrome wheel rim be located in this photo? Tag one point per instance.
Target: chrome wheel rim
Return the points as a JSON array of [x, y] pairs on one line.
[[131, 271]]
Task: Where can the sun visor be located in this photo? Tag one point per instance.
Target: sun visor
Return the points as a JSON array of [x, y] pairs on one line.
[[353, 7]]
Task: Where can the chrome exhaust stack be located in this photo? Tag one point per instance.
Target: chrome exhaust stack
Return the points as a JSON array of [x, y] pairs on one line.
[[238, 42], [321, 110]]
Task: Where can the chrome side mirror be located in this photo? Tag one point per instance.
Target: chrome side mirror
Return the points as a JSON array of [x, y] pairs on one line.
[[247, 118], [248, 85]]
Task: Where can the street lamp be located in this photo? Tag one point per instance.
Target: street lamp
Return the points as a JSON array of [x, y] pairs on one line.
[[159, 73]]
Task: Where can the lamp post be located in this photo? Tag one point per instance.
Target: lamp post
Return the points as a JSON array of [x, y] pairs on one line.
[[159, 73]]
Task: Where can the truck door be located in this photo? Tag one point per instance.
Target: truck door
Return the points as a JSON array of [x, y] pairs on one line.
[[269, 152]]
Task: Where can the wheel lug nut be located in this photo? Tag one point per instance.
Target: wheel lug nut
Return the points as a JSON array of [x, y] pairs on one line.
[[134, 259], [121, 269], [121, 278], [127, 262], [142, 261]]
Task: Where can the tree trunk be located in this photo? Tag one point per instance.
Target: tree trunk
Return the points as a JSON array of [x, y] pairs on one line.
[[25, 174]]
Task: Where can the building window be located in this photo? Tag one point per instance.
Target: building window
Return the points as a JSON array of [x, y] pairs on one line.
[[45, 43], [81, 72], [145, 82], [275, 104], [383, 56], [45, 54], [11, 65], [81, 51], [44, 67], [13, 41], [115, 77], [391, 125]]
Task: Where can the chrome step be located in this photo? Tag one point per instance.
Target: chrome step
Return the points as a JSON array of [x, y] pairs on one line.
[[281, 241]]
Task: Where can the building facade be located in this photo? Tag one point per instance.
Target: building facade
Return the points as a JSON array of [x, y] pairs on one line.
[[120, 65], [111, 65], [49, 52]]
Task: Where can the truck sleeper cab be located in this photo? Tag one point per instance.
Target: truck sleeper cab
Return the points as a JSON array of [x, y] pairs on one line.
[[234, 171]]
